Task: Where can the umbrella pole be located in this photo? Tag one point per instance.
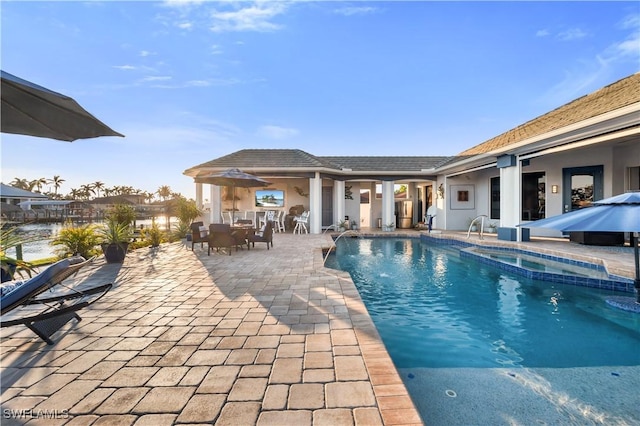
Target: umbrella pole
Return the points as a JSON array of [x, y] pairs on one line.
[[634, 239]]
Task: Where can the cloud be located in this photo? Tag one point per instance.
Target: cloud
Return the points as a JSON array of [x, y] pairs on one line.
[[185, 25], [594, 73], [277, 132], [125, 67], [155, 78], [542, 33], [145, 53], [257, 17], [355, 10], [572, 34], [216, 50]]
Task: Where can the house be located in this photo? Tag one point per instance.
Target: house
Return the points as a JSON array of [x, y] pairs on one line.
[[581, 152], [12, 195]]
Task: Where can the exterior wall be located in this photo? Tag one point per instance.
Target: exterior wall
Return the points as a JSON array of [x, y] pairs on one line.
[[458, 216], [624, 156]]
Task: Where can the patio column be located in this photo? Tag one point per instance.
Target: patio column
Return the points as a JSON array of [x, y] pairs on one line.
[[315, 204], [338, 201], [510, 196], [388, 206], [199, 195], [215, 214]]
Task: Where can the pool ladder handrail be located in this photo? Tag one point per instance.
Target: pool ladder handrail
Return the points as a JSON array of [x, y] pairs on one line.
[[481, 229]]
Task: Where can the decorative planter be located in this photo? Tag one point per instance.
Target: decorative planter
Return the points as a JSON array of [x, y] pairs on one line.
[[115, 252]]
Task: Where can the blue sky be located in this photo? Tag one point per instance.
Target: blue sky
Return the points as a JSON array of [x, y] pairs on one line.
[[190, 81]]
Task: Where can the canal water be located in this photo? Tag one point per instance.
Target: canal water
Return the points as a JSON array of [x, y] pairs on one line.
[[43, 233]]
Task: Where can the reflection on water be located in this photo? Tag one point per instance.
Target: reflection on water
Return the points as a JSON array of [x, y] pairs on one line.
[[44, 232]]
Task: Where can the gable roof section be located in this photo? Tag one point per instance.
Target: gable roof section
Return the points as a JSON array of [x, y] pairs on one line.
[[385, 164], [264, 159], [614, 96], [7, 191]]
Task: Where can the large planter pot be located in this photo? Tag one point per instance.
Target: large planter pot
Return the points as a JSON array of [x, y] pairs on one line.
[[115, 252]]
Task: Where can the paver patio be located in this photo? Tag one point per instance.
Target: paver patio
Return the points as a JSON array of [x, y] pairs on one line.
[[267, 337]]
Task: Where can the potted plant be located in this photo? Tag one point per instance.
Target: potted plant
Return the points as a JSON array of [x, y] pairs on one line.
[[115, 240], [354, 225], [471, 223], [389, 226], [342, 225], [492, 227]]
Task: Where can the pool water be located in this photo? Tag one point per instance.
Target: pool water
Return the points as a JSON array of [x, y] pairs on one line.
[[477, 345], [434, 309]]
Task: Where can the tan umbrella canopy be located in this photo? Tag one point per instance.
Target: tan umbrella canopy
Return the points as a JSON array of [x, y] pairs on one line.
[[32, 110], [233, 178]]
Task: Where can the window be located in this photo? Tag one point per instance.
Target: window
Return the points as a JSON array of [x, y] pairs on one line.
[[633, 174], [495, 198]]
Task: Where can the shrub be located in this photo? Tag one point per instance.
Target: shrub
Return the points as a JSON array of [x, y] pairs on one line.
[[121, 213], [77, 240], [153, 235], [9, 239]]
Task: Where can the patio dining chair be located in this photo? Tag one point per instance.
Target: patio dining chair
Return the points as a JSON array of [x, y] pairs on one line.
[[23, 302], [199, 234], [221, 236], [264, 236]]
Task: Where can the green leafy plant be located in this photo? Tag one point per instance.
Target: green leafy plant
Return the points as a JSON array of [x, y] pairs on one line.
[[122, 214], [181, 229], [10, 239], [153, 235], [114, 232], [76, 240], [186, 211]]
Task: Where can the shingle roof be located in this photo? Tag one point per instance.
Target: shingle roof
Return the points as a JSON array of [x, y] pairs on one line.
[[266, 158], [382, 164], [7, 191], [614, 96]]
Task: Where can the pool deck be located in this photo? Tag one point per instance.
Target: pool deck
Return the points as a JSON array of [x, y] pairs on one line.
[[267, 337]]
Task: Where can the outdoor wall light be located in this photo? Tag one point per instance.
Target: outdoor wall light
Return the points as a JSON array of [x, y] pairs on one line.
[[554, 189]]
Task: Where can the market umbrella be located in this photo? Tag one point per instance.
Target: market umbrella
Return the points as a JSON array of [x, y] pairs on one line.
[[29, 109], [615, 214], [233, 178]]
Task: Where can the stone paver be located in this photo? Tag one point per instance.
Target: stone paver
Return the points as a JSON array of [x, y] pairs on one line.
[[186, 338]]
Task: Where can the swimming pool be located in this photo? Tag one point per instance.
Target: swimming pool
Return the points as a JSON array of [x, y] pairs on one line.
[[439, 313]]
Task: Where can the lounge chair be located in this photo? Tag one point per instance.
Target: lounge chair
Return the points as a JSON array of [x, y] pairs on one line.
[[22, 301], [221, 236], [199, 234], [264, 236]]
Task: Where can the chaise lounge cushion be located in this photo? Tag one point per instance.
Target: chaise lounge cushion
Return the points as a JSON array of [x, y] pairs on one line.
[[16, 293]]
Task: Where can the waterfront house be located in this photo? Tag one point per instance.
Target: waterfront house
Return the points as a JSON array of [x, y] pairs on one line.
[[585, 150]]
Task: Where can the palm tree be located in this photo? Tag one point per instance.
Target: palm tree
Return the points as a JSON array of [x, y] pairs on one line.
[[37, 183], [164, 192], [98, 186], [75, 193], [20, 183], [57, 183], [87, 190]]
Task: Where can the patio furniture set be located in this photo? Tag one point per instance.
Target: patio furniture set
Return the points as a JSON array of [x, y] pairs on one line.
[[226, 236]]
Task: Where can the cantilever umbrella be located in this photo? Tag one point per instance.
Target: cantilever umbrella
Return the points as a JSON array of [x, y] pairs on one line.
[[29, 109], [615, 214], [233, 178]]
